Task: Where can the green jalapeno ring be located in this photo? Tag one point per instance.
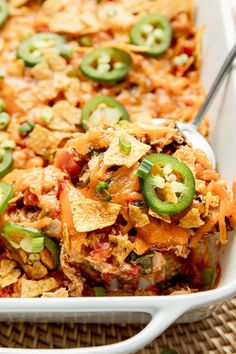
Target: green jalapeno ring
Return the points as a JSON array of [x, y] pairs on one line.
[[117, 60], [6, 162], [92, 105], [6, 193], [14, 234], [4, 11], [162, 22], [148, 185], [30, 48]]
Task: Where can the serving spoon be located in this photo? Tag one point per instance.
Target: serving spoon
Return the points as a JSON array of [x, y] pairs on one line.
[[190, 129]]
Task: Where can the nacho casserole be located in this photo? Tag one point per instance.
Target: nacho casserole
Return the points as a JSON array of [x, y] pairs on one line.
[[94, 199]]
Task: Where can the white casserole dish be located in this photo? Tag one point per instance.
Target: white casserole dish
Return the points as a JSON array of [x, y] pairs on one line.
[[163, 310]]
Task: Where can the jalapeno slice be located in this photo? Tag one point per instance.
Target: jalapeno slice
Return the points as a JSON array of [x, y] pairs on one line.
[[30, 240], [4, 11], [102, 108], [6, 162], [106, 65], [6, 193], [154, 32], [32, 49], [167, 176]]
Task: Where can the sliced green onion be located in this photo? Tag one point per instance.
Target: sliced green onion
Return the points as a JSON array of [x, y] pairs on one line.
[[47, 115], [207, 275], [6, 193], [2, 104], [8, 144], [102, 187], [146, 262], [168, 351], [26, 128], [144, 169], [180, 59], [65, 50], [125, 144], [32, 245], [99, 291], [86, 41], [4, 120]]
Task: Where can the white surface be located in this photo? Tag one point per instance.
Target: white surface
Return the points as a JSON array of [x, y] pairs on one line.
[[219, 36]]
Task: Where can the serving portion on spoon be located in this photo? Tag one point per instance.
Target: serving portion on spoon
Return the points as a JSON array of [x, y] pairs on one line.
[[190, 129]]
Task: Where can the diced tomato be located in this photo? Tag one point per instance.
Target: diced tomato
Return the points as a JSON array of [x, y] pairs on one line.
[[66, 161], [153, 288], [30, 199], [107, 277], [105, 230], [3, 293], [101, 250], [188, 50], [55, 214], [133, 271]]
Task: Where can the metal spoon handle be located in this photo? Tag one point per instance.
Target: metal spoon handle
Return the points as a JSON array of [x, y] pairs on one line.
[[215, 87]]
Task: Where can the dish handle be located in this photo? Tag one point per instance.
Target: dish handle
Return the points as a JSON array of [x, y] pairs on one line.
[[162, 318]]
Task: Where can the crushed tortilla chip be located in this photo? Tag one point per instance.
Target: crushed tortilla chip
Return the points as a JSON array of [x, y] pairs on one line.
[[10, 278], [62, 292], [66, 117], [191, 219], [9, 274], [161, 216], [42, 141], [135, 213], [200, 186], [31, 178], [186, 154], [89, 215], [123, 248], [211, 201], [34, 288], [114, 156], [6, 266]]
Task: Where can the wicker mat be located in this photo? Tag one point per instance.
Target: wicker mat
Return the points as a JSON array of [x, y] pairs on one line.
[[216, 335]]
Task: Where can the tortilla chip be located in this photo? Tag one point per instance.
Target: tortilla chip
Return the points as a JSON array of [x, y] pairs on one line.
[[10, 278], [114, 156], [191, 219], [6, 266], [51, 176], [42, 141], [135, 213], [168, 8], [172, 8], [66, 117], [200, 186], [89, 215], [186, 154], [62, 292], [211, 200], [34, 288], [161, 216], [123, 247], [31, 178]]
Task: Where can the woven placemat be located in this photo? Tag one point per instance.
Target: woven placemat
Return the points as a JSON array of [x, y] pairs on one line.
[[215, 335]]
